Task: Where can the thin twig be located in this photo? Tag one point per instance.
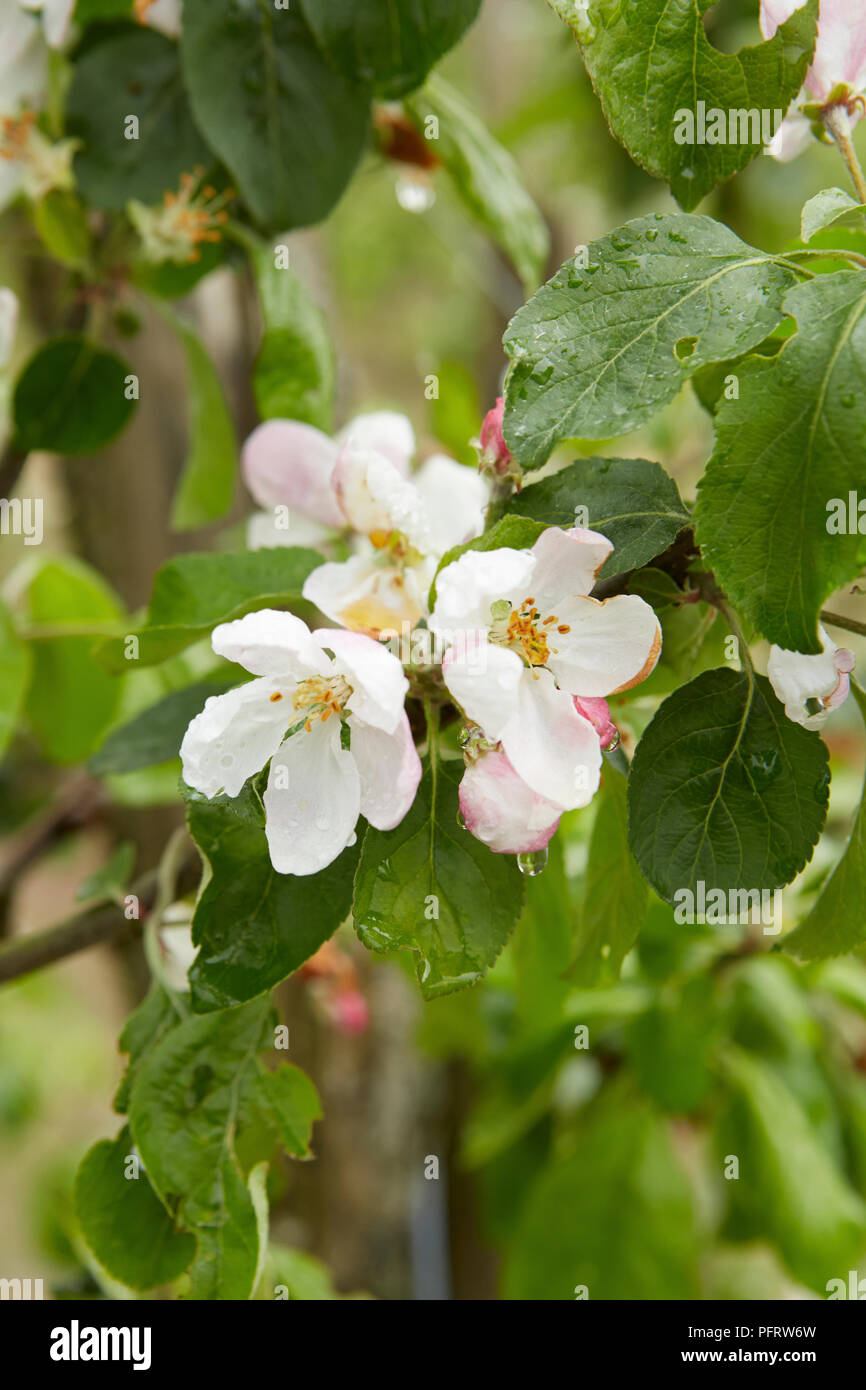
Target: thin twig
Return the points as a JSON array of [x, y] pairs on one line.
[[839, 620]]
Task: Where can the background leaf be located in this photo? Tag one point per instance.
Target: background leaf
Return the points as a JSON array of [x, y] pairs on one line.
[[615, 900], [391, 46], [71, 398]]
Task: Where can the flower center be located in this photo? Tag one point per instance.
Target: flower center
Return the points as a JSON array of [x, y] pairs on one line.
[[524, 631], [319, 697]]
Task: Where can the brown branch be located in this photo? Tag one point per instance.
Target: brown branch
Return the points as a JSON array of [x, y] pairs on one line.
[[104, 922], [11, 463], [73, 805]]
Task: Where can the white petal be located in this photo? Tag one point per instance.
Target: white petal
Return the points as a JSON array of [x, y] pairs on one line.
[[390, 770], [56, 18], [552, 747], [611, 646], [385, 432], [364, 595], [796, 678], [266, 530], [166, 16], [840, 53], [234, 736], [454, 501], [502, 811], [466, 589], [566, 564], [23, 63], [271, 643], [312, 801], [375, 675], [485, 683], [287, 463], [376, 499]]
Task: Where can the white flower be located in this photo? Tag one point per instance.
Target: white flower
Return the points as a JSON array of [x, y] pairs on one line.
[[306, 706], [526, 639], [288, 467], [811, 686], [165, 15], [56, 18], [839, 60]]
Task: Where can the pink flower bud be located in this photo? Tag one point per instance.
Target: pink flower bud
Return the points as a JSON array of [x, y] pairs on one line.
[[597, 712], [495, 451], [501, 811], [350, 1012]]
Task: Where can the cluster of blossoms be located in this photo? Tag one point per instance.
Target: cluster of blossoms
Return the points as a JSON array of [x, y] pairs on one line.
[[836, 80], [527, 656]]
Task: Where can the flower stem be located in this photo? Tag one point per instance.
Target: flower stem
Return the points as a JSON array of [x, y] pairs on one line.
[[839, 620], [838, 125]]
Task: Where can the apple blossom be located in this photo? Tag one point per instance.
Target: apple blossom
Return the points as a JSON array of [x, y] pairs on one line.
[[23, 83], [327, 711], [541, 641], [56, 18], [288, 465], [175, 229], [408, 524], [499, 808], [837, 73], [811, 686]]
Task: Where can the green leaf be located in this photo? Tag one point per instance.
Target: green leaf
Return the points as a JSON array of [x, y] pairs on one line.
[[650, 61], [131, 72], [294, 376], [146, 1025], [832, 207], [837, 922], [289, 127], [615, 1216], [61, 222], [71, 398], [672, 1044], [393, 47], [123, 1221], [185, 1099], [253, 925], [599, 350], [306, 1278], [486, 179], [71, 700], [725, 790], [192, 593], [88, 10], [429, 886], [15, 665], [633, 502], [615, 901], [786, 450], [288, 1102], [155, 735], [788, 1190], [512, 532], [207, 484], [110, 880]]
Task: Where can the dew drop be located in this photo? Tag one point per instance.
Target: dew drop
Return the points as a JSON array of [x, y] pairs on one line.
[[531, 865], [414, 196]]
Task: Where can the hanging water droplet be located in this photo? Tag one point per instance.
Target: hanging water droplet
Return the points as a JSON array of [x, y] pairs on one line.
[[532, 864], [615, 741], [460, 820]]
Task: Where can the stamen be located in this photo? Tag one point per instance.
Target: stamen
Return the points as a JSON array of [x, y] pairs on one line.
[[563, 628], [275, 697]]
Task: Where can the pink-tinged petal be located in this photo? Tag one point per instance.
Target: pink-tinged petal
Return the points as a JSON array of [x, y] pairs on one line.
[[384, 432], [376, 676], [374, 496], [776, 12], [390, 770], [840, 52], [286, 463], [499, 809], [271, 643], [366, 596], [598, 714], [234, 736], [495, 452], [552, 747], [312, 801], [566, 565], [792, 138], [485, 682], [609, 647], [466, 589], [797, 679], [454, 500]]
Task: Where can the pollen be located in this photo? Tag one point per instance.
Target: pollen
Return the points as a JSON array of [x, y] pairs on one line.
[[563, 628], [524, 634], [275, 697]]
